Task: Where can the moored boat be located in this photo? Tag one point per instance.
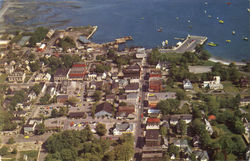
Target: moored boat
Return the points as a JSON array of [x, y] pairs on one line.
[[212, 44]]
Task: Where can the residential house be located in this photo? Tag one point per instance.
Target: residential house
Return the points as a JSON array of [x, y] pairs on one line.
[[152, 138], [123, 128], [153, 123], [43, 77], [187, 85], [208, 127], [31, 125], [126, 112], [201, 155], [154, 113], [20, 113], [214, 84], [115, 87], [61, 75], [78, 71], [152, 156], [92, 76], [62, 98], [140, 54], [104, 109], [174, 119], [96, 85], [132, 88], [155, 85], [163, 65], [17, 76], [245, 101], [132, 98], [132, 71], [122, 83], [110, 98]]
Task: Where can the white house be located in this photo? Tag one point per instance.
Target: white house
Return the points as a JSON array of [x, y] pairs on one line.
[[122, 128], [214, 84]]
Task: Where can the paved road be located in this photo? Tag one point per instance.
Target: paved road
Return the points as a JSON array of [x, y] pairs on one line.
[[188, 45]]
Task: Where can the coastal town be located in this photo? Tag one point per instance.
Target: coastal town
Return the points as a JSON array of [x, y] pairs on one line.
[[66, 98]]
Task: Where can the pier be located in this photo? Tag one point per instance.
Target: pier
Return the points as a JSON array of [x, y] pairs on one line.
[[188, 45], [92, 33]]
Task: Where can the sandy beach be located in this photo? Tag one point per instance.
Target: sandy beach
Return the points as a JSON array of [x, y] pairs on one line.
[[226, 62]]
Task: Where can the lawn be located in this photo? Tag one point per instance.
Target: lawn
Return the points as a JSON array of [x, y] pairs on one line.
[[3, 78], [32, 154], [230, 88]]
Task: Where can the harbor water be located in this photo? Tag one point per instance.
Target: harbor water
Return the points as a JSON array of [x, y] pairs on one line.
[[141, 19]]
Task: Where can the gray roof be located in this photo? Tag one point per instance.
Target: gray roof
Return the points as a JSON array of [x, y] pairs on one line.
[[83, 40], [124, 126]]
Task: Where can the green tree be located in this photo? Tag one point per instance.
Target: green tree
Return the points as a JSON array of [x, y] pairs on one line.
[[45, 99], [226, 144], [101, 129], [11, 141], [238, 127], [68, 154], [173, 150], [35, 66], [163, 131], [36, 88], [183, 127], [4, 151], [40, 129], [38, 36], [97, 95]]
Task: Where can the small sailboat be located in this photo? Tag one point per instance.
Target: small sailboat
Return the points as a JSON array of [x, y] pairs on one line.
[[221, 21], [212, 44], [160, 29], [248, 9], [233, 32], [205, 3], [217, 18], [205, 11], [228, 41], [209, 16], [189, 21]]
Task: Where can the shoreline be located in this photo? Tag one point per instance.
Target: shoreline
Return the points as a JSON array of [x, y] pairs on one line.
[[225, 62], [7, 3]]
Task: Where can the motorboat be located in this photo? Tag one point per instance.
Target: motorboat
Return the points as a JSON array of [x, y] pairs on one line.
[[212, 44], [221, 21], [228, 41]]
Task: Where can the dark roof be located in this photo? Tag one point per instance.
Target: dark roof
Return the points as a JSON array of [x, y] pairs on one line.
[[76, 114], [123, 97], [61, 72], [152, 134], [110, 96], [105, 106], [62, 96], [132, 86]]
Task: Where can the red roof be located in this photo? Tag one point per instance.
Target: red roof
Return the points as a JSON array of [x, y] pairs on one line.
[[153, 120], [211, 117], [79, 65]]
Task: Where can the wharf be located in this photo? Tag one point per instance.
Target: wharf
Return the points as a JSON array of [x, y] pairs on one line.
[[188, 45]]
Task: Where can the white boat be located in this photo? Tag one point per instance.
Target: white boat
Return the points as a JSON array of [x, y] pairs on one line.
[[205, 11], [233, 32], [248, 9]]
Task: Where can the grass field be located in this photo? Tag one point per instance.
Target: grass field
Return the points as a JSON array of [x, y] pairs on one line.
[[230, 88]]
